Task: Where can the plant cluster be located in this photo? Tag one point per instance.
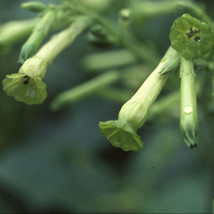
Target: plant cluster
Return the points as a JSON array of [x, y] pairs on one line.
[[192, 41]]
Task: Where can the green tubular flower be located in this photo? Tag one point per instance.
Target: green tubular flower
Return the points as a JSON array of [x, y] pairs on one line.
[[188, 118], [191, 37], [122, 133], [86, 89], [27, 85], [165, 105]]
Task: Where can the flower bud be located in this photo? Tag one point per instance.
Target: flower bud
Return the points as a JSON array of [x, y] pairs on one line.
[[39, 32], [136, 109], [188, 118]]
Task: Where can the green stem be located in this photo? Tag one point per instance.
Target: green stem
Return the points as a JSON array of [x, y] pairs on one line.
[[107, 60], [141, 51], [60, 41], [40, 31], [85, 89], [146, 9], [196, 10], [115, 94], [34, 6], [164, 105]]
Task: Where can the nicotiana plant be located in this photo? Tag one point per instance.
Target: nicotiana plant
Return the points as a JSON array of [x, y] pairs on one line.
[[191, 37]]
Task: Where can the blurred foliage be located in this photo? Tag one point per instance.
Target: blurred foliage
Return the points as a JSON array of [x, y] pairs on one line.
[[57, 162]]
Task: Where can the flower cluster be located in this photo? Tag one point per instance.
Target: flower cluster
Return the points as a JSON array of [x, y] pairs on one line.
[[190, 39]]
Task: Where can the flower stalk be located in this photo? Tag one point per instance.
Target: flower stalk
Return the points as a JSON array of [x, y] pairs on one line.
[[39, 32], [85, 89]]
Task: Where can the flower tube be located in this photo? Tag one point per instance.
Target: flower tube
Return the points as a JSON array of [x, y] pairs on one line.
[[39, 32], [122, 133]]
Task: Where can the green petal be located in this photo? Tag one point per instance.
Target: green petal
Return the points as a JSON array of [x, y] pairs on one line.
[[30, 90], [121, 135], [191, 37], [189, 129]]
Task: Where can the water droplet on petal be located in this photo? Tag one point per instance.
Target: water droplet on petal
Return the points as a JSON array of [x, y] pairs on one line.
[[188, 109]]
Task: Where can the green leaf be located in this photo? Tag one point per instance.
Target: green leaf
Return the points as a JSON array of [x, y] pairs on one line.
[[121, 135], [191, 37], [25, 88]]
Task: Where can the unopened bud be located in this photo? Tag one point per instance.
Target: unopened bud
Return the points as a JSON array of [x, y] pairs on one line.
[[189, 117]]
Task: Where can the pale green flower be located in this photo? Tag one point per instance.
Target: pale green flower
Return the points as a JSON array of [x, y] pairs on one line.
[[27, 85], [123, 132]]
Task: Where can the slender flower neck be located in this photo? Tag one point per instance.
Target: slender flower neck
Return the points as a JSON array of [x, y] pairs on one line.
[[135, 110], [59, 42], [34, 67]]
